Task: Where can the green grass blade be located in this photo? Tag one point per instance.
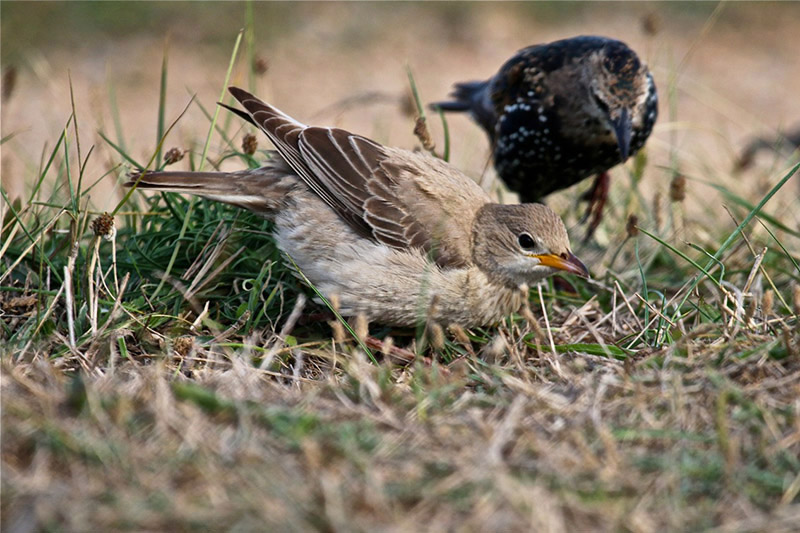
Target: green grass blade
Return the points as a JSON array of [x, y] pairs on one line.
[[18, 220], [221, 97], [250, 45], [415, 93], [162, 104], [644, 281], [220, 131], [61, 140], [120, 151], [152, 159], [192, 200], [67, 169], [446, 130], [747, 205], [76, 199], [736, 232], [711, 258], [780, 244]]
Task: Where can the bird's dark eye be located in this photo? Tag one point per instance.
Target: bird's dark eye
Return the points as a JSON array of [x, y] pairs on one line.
[[526, 241], [600, 103]]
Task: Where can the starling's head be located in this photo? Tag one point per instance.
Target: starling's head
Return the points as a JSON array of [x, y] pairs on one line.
[[521, 244], [620, 91]]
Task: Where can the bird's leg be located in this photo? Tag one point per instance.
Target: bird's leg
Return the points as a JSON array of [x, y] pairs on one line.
[[313, 318], [596, 198], [562, 285]]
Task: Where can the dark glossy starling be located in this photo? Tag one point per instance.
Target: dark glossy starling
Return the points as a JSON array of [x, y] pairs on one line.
[[557, 113]]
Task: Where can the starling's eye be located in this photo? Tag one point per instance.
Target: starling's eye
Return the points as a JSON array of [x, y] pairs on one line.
[[600, 103], [526, 241]]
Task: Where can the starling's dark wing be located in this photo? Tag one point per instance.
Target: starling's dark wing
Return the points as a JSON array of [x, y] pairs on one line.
[[350, 173]]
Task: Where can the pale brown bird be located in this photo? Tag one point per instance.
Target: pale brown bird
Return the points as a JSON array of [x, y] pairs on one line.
[[397, 236]]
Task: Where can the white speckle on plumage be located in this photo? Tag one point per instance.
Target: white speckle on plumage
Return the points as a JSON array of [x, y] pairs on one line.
[[555, 85]]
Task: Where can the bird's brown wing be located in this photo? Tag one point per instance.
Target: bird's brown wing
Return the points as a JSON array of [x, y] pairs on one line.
[[354, 176], [353, 169], [284, 132]]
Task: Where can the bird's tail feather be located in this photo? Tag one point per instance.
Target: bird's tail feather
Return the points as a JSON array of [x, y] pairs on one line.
[[466, 96], [472, 97], [263, 190]]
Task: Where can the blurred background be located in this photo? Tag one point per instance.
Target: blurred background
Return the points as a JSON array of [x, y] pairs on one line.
[[727, 75], [173, 428]]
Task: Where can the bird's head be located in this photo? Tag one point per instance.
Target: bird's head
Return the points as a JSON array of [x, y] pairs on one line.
[[620, 87], [521, 244]]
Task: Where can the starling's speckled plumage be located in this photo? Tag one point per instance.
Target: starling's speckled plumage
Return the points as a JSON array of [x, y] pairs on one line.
[[557, 113], [396, 236]]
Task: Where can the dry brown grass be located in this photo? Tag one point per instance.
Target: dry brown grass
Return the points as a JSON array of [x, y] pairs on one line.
[[698, 433], [688, 436], [212, 398]]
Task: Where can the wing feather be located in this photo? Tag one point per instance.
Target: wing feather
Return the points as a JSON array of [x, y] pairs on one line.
[[351, 174], [350, 166]]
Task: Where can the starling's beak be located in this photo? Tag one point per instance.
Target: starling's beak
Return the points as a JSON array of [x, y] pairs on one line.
[[622, 129], [571, 264]]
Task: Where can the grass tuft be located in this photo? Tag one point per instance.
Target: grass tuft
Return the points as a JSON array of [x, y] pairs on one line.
[[163, 368]]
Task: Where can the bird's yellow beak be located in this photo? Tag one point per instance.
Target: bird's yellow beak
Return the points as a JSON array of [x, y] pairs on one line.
[[571, 264]]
